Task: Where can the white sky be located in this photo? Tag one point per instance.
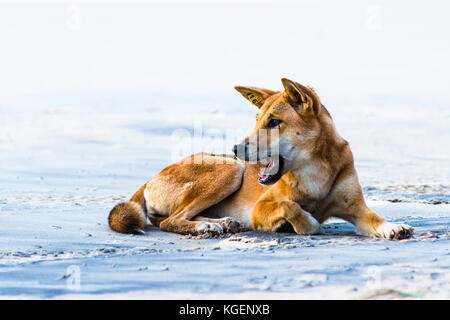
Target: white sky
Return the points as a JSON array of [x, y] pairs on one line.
[[343, 48]]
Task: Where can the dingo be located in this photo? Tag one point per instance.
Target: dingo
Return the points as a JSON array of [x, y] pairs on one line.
[[303, 175]]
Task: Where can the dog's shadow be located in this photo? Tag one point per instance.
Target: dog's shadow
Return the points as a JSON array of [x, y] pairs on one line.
[[339, 229], [331, 228]]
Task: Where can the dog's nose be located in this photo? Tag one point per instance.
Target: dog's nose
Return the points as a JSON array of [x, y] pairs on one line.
[[235, 150]]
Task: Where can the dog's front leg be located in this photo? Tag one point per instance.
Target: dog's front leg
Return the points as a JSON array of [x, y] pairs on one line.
[[348, 204], [370, 224], [269, 215]]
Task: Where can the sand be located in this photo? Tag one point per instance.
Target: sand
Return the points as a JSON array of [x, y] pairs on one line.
[[65, 165]]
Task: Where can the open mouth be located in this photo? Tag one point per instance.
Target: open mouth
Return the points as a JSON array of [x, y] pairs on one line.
[[273, 171]]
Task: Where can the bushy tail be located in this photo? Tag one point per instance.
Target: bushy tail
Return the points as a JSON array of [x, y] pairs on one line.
[[130, 216]]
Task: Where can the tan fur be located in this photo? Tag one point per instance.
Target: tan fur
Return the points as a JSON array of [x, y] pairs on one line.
[[127, 217], [319, 180]]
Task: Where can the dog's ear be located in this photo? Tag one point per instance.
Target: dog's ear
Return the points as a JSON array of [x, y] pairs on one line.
[[257, 96], [303, 98]]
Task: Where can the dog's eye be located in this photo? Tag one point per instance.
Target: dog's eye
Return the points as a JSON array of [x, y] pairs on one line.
[[273, 123]]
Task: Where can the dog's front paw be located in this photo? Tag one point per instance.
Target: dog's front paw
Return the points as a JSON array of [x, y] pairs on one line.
[[208, 228], [394, 231], [231, 225]]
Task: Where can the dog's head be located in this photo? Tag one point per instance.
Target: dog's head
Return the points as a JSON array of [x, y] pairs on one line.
[[286, 129]]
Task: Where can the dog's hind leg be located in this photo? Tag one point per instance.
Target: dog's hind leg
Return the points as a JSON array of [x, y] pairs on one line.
[[228, 224], [180, 222], [193, 188], [185, 220]]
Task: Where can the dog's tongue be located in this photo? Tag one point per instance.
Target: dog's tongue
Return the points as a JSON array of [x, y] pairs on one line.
[[270, 169]]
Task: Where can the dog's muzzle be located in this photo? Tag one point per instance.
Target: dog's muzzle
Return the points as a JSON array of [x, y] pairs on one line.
[[242, 152], [273, 170]]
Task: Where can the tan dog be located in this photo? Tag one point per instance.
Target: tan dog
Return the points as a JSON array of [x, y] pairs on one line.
[[308, 176]]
